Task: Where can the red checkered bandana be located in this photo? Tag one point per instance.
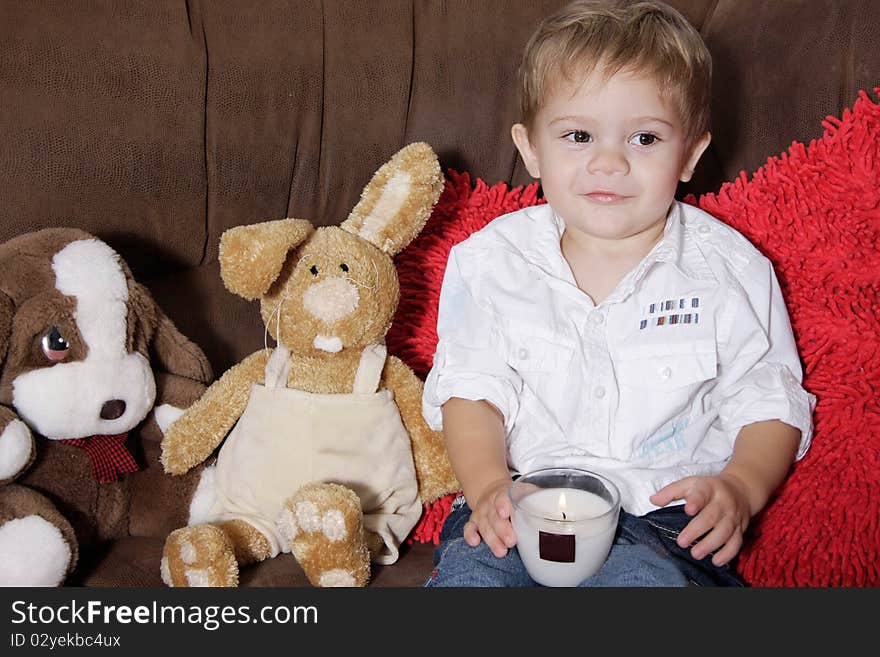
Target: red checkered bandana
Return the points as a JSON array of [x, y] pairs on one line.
[[108, 455]]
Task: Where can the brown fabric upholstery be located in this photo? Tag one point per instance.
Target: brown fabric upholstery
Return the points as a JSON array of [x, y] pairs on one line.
[[134, 562], [157, 124]]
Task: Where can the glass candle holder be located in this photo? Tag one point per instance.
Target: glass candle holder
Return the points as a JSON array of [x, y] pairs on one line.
[[565, 520]]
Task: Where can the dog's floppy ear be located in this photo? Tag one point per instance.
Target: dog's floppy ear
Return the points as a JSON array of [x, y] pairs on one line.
[[173, 352], [251, 257], [6, 312]]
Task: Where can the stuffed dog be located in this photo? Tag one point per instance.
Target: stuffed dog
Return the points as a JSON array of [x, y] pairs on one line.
[[329, 457], [79, 340]]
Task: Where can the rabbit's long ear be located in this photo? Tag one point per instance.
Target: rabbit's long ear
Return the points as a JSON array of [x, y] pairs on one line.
[[398, 200], [251, 257]]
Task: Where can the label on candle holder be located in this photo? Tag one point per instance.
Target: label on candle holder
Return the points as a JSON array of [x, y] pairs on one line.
[[556, 547]]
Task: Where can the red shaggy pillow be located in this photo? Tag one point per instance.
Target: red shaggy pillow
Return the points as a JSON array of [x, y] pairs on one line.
[[815, 212]]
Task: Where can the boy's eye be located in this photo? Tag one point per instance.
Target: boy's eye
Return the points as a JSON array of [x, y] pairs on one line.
[[643, 139], [579, 136]]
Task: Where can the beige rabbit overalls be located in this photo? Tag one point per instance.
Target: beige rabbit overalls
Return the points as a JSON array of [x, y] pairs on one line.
[[286, 438]]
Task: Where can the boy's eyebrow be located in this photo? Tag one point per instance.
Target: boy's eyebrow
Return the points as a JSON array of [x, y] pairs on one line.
[[563, 119], [638, 119], [578, 119], [657, 119]]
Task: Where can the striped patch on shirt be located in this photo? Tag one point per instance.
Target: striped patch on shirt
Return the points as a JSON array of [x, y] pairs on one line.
[[670, 312]]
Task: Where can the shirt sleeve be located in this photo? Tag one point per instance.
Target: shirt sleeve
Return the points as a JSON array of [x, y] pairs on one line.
[[760, 371], [467, 363]]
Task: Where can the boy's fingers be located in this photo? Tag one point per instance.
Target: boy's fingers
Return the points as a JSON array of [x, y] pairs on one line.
[[501, 524], [699, 525], [713, 540], [495, 543], [502, 506], [674, 491], [730, 549], [474, 533], [504, 530], [471, 533], [696, 499]]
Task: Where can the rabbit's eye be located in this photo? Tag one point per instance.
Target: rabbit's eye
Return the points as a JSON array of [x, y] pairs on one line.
[[344, 267], [314, 270]]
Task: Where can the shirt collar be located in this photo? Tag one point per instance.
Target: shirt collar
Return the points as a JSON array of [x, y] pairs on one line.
[[678, 247], [545, 248]]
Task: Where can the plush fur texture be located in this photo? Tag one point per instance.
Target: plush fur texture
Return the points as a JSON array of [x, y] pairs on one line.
[[326, 295], [326, 532], [815, 212], [79, 341], [37, 544]]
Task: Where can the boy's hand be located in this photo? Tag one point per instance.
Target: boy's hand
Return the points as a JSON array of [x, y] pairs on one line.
[[490, 519], [721, 509]]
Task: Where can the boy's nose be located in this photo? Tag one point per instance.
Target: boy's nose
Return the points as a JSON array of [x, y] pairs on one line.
[[608, 161]]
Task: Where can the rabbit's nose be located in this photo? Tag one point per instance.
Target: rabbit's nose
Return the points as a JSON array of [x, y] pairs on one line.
[[331, 300]]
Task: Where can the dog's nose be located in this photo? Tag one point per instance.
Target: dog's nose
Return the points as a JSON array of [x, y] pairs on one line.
[[112, 409]]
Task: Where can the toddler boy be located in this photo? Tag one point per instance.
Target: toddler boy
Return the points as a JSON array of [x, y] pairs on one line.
[[615, 329]]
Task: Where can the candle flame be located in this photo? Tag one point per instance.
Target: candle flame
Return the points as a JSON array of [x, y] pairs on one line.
[[563, 507]]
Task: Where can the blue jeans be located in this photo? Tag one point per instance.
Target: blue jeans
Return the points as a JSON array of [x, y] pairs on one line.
[[644, 553]]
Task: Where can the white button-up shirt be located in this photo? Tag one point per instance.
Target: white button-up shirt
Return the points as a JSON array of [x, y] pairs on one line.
[[652, 385]]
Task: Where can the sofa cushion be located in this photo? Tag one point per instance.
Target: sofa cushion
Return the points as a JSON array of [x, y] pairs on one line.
[[134, 563]]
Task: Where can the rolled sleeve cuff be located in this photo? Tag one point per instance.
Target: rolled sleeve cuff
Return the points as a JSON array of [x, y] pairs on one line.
[[773, 394], [475, 387]]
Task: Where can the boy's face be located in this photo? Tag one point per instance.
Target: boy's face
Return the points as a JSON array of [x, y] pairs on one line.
[[609, 154]]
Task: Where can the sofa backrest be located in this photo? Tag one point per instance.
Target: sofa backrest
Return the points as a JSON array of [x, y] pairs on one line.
[[158, 124]]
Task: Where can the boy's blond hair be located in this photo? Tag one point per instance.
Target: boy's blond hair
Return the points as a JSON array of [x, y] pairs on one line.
[[648, 37]]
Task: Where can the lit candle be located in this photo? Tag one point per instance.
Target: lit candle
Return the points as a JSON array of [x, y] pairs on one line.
[[563, 535]]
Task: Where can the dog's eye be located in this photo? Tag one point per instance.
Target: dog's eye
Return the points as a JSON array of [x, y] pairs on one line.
[[314, 270], [344, 267], [55, 347]]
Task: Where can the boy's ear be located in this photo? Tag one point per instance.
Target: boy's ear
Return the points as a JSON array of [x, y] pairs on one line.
[[697, 149], [520, 136]]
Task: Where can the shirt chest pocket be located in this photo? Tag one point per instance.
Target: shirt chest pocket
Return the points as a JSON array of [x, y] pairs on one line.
[[531, 353], [673, 367]]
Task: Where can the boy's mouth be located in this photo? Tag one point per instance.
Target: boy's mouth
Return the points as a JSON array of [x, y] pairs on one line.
[[604, 196]]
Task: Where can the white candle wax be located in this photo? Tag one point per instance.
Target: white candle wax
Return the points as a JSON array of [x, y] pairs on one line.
[[566, 512]]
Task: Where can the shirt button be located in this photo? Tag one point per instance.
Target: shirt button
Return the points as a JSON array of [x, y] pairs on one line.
[[704, 229], [599, 392], [523, 353], [597, 318], [665, 373]]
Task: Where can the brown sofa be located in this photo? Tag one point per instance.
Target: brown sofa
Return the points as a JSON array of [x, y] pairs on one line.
[[158, 124]]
